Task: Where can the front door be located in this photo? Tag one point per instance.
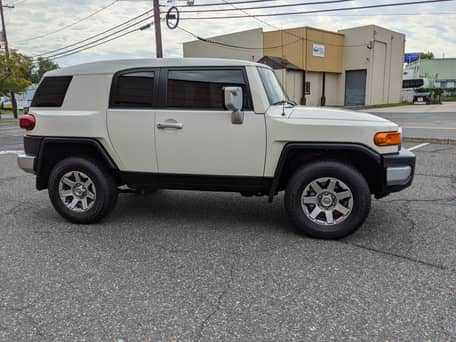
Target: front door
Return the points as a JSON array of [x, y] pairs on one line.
[[194, 132]]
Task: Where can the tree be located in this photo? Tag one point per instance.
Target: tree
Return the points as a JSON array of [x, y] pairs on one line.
[[427, 55], [14, 75], [42, 66]]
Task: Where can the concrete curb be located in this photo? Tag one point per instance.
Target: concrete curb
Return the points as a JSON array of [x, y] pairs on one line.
[[437, 141]]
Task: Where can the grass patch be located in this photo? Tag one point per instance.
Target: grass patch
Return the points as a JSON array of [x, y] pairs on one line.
[[388, 105]]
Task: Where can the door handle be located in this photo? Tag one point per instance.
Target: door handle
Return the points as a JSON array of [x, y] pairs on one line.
[[170, 124]]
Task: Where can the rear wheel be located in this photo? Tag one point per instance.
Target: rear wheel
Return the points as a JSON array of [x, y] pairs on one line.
[[327, 199], [81, 190]]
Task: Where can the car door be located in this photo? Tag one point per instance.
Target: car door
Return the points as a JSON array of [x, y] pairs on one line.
[[195, 134], [131, 119]]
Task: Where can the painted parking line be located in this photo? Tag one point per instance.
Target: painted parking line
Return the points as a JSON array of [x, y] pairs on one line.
[[10, 152], [418, 146], [433, 128]]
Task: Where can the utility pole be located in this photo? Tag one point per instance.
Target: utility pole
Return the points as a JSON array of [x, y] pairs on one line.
[[158, 33], [7, 55]]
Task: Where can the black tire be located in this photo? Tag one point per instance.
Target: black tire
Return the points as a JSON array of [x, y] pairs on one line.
[[351, 177], [104, 185]]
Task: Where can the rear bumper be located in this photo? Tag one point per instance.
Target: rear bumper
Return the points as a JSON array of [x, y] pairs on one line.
[[399, 170], [26, 163]]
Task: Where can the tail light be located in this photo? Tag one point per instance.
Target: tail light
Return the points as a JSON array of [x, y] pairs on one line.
[[27, 122]]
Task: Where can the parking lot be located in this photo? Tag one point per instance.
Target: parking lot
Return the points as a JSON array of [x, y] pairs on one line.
[[187, 266]]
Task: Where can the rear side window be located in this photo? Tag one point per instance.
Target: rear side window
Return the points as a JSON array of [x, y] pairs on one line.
[[133, 90], [51, 91], [203, 89]]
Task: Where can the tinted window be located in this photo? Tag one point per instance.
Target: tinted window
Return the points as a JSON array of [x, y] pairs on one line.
[[134, 89], [203, 89], [51, 91]]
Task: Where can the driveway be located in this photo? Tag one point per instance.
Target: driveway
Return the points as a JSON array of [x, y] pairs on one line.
[[190, 266]]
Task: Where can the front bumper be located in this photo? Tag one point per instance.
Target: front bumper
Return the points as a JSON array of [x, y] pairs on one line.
[[26, 163], [399, 170]]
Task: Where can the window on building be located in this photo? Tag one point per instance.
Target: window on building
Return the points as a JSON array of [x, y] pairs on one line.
[[133, 90], [307, 88], [51, 91], [203, 89]]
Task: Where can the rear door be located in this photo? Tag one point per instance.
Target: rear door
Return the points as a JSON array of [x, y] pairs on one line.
[[131, 118], [194, 131]]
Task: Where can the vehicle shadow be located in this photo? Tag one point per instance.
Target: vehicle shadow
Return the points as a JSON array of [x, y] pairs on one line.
[[202, 209]]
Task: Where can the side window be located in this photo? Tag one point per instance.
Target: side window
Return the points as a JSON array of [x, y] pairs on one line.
[[133, 90], [203, 89], [51, 91]]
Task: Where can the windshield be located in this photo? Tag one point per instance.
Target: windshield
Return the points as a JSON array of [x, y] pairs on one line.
[[272, 86]]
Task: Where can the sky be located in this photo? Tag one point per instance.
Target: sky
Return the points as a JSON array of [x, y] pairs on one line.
[[32, 18]]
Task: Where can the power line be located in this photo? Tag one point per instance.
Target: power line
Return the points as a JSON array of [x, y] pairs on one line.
[[222, 4], [232, 46], [70, 25], [102, 43], [265, 7], [317, 11], [99, 34], [99, 39]]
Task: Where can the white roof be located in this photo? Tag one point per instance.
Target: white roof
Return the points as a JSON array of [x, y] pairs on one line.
[[111, 67]]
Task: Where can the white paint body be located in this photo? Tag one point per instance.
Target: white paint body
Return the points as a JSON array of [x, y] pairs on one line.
[[209, 143]]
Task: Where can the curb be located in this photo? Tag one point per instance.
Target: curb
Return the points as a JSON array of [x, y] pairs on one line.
[[437, 141]]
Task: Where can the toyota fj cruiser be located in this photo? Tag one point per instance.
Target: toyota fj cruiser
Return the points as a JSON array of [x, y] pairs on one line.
[[97, 129]]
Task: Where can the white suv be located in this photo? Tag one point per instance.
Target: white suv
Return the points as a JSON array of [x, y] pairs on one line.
[[98, 129]]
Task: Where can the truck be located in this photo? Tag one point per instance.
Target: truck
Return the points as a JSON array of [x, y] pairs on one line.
[[99, 129]]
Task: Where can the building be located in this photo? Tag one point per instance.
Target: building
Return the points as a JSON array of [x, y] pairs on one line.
[[434, 73], [353, 67]]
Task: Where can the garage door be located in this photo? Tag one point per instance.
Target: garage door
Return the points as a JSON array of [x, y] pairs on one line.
[[355, 87]]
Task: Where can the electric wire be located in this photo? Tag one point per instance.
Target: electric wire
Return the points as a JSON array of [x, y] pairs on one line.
[[99, 34], [315, 11], [70, 25], [325, 2]]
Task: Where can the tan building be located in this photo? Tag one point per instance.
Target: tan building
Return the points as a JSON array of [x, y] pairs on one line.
[[357, 66]]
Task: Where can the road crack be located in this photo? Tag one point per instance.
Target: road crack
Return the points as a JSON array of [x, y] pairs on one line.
[[218, 305], [404, 257]]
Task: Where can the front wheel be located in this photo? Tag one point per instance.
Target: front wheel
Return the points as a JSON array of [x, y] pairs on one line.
[[327, 199], [81, 190]]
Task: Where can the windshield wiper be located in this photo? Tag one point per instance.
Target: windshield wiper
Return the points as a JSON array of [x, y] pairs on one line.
[[284, 102]]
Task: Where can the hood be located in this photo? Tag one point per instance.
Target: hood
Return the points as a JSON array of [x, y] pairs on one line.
[[326, 113]]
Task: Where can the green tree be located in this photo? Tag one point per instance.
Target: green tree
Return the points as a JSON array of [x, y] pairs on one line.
[[14, 76], [42, 66], [427, 55]]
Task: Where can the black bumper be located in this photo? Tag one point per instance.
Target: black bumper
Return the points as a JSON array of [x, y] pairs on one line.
[[396, 176]]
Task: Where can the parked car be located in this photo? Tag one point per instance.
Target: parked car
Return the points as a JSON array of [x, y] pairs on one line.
[[422, 98], [5, 103], [97, 129]]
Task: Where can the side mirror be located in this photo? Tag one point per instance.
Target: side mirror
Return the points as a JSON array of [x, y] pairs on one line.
[[233, 102]]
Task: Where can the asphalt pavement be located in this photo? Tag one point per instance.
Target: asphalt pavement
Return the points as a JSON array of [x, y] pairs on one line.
[[423, 121], [190, 266]]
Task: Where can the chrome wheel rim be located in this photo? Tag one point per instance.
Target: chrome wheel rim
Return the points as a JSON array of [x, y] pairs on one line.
[[327, 201], [77, 191]]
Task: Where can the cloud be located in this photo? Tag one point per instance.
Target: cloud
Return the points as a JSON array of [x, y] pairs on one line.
[[37, 17]]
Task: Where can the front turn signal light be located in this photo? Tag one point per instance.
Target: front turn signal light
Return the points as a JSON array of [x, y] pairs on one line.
[[387, 138]]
